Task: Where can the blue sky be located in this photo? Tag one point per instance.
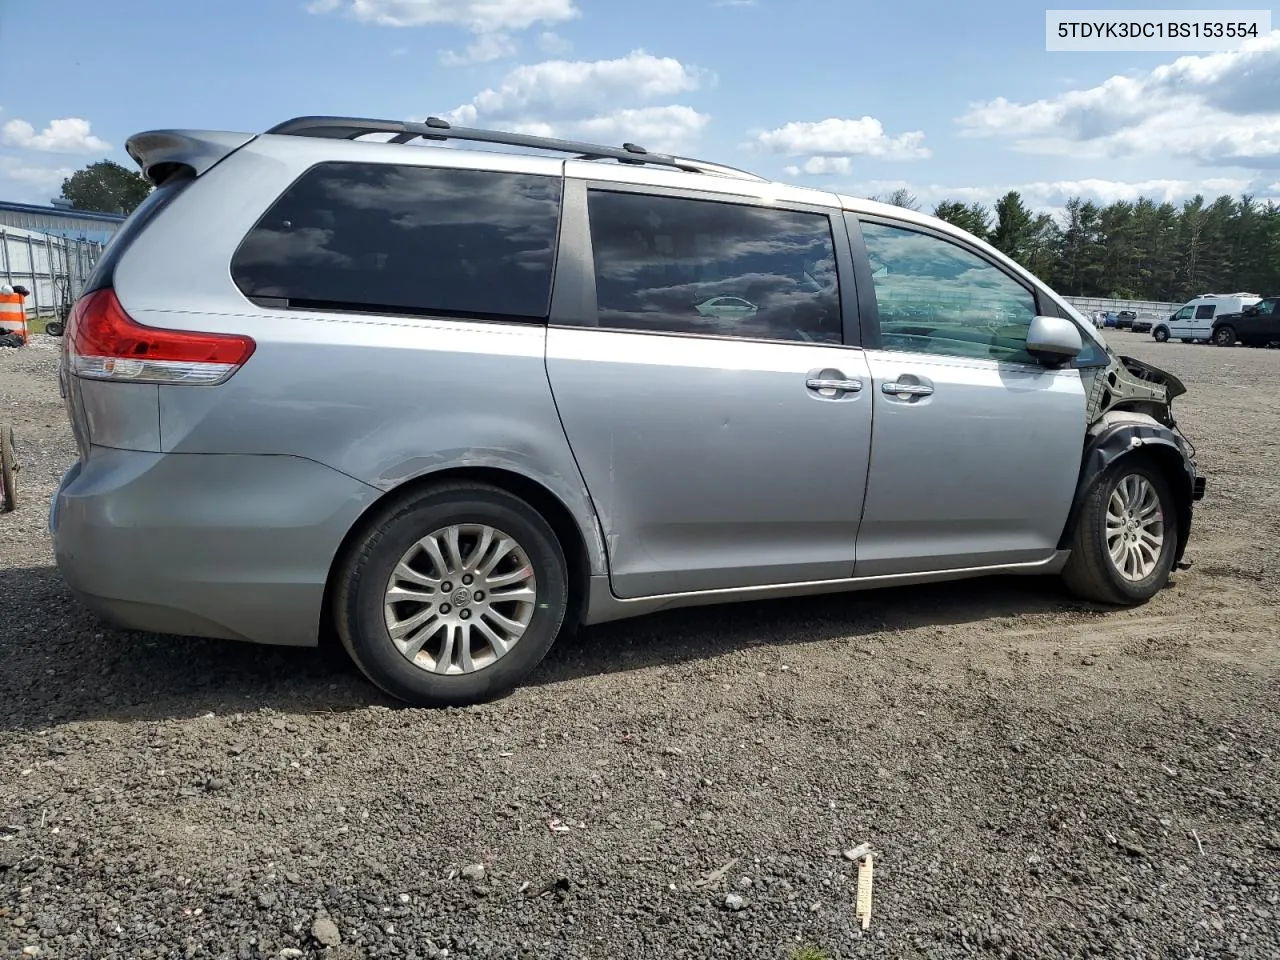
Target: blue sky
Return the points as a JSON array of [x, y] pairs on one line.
[[951, 99]]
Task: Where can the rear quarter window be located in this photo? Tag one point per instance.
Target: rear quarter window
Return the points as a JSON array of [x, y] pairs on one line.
[[390, 238]]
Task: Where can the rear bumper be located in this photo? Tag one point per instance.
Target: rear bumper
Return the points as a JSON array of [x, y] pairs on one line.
[[229, 546]]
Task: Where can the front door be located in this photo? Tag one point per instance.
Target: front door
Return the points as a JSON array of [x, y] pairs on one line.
[[719, 421], [977, 446]]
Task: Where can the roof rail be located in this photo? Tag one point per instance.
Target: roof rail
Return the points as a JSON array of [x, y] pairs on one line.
[[434, 128]]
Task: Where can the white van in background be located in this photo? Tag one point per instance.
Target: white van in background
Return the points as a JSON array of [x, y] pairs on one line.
[[1193, 322]]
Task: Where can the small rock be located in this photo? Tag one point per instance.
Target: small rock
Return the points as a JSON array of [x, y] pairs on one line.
[[325, 932], [288, 953], [473, 872], [31, 951], [745, 883], [267, 900], [858, 852], [734, 902]]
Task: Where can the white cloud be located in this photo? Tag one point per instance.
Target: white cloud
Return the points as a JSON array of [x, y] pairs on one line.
[[477, 15], [68, 135], [1221, 108], [833, 143], [487, 47], [598, 100], [552, 44], [568, 87], [668, 129], [42, 178]]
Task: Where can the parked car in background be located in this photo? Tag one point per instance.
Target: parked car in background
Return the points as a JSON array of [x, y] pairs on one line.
[[1193, 322], [1124, 319], [1257, 325], [1142, 324], [454, 402]]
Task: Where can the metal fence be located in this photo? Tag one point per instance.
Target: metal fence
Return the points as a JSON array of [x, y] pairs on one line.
[[1145, 309], [53, 269]]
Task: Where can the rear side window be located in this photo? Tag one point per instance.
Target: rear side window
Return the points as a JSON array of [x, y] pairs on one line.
[[677, 265], [387, 238], [1204, 312]]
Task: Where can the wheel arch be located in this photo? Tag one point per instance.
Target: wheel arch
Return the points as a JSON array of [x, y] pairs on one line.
[[1130, 438], [568, 531]]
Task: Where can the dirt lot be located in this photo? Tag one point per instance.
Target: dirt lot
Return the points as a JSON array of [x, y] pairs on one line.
[[1039, 778]]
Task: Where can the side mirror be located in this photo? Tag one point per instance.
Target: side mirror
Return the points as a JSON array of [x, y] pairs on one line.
[[1053, 340]]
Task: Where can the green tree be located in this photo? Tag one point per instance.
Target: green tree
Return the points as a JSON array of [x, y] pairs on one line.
[[973, 217], [1015, 226], [105, 187], [902, 197]]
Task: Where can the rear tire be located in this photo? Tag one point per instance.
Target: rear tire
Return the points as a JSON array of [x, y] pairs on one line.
[[8, 470], [1225, 336], [1105, 542], [1160, 334], [455, 663]]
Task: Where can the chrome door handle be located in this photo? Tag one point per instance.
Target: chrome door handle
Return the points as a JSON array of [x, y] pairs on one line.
[[821, 383], [908, 389]]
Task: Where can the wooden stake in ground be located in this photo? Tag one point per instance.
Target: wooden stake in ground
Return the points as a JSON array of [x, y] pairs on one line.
[[865, 873]]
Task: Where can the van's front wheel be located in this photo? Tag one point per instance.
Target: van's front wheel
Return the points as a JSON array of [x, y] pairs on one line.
[[1161, 334], [1122, 550], [453, 596]]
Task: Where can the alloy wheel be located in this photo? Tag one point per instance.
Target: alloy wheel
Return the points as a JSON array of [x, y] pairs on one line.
[[1135, 527], [460, 598]]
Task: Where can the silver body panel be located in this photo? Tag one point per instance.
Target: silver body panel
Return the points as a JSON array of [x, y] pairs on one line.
[[979, 473], [696, 469], [682, 442]]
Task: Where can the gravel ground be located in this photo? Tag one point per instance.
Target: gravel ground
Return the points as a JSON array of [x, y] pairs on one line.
[[1038, 778]]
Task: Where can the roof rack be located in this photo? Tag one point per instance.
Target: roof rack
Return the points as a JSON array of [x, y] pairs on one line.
[[434, 128]]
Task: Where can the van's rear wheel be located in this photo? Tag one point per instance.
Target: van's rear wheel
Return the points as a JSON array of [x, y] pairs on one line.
[[1122, 550], [453, 596]]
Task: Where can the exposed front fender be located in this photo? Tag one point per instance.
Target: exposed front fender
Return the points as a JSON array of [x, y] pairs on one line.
[[1117, 436]]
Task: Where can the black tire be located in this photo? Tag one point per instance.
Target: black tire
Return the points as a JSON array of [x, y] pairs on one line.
[[8, 470], [1090, 572], [1160, 334], [1224, 336], [53, 328], [363, 578]]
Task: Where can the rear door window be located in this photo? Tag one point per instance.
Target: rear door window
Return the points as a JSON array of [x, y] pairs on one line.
[[710, 268], [389, 238]]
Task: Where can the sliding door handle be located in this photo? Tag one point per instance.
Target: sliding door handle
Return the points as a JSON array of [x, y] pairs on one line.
[[907, 389]]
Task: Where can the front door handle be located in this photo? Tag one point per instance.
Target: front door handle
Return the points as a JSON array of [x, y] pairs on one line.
[[825, 383], [907, 389]]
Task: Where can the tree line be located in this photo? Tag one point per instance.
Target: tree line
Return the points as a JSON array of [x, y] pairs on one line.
[[1141, 250]]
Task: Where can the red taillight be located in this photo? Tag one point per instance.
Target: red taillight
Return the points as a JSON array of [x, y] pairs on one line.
[[104, 343]]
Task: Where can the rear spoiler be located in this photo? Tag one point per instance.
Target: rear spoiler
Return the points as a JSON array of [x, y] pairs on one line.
[[160, 152]]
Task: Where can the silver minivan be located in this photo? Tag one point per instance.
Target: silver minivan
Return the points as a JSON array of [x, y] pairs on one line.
[[455, 391]]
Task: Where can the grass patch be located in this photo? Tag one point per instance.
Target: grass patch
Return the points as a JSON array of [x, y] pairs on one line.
[[809, 952]]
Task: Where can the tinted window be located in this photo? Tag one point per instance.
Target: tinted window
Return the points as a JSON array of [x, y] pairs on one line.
[[390, 238], [719, 269], [1204, 312], [934, 296]]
